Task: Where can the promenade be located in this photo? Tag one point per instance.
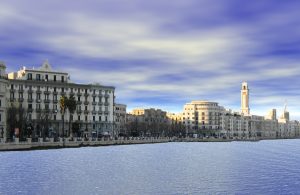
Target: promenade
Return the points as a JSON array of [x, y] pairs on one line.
[[49, 143]]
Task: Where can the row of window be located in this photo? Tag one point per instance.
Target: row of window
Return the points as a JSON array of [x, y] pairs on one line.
[[55, 89], [38, 77]]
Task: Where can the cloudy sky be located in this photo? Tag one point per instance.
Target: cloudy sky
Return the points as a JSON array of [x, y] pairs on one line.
[[163, 53]]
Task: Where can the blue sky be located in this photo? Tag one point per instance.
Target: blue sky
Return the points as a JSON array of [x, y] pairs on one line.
[[163, 53]]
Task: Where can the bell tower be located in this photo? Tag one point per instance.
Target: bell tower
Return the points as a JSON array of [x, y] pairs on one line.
[[245, 99]]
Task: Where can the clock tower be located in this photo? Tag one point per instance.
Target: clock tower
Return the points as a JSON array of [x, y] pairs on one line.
[[245, 99]]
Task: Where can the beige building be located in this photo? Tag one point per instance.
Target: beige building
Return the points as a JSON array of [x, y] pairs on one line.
[[201, 115], [39, 91]]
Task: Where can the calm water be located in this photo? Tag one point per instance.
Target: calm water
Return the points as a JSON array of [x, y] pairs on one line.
[[266, 167]]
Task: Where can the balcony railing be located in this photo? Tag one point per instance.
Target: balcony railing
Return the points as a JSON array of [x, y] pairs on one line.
[[38, 101], [79, 111], [79, 102], [100, 103], [55, 92], [46, 92], [46, 101], [30, 100], [94, 112], [86, 112], [94, 103], [21, 99], [106, 104], [55, 101], [86, 102]]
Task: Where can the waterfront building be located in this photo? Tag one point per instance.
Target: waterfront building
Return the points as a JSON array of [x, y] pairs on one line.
[[120, 119], [39, 91], [199, 116], [3, 85], [148, 121]]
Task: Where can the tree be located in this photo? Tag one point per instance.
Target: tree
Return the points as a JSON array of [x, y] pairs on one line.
[[70, 104], [62, 104], [43, 122], [76, 128], [16, 118]]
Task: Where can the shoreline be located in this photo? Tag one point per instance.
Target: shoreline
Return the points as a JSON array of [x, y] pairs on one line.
[[26, 146]]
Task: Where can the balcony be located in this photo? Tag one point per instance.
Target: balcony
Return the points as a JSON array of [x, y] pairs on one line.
[[38, 101], [29, 109], [38, 91], [30, 91], [38, 110], [21, 90], [94, 112], [106, 104], [55, 101], [54, 110], [12, 99], [21, 99], [79, 102], [79, 111], [94, 95], [78, 94], [72, 93], [55, 92], [106, 95], [100, 103], [94, 103], [86, 94], [100, 112], [63, 93], [86, 112], [12, 90], [86, 103], [30, 100], [47, 101], [106, 112]]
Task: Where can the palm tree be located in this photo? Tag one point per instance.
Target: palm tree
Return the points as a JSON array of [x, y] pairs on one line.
[[71, 105], [62, 103]]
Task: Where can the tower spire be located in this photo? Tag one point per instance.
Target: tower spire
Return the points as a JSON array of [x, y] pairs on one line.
[[245, 99]]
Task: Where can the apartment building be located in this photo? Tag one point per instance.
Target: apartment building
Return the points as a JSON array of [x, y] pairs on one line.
[[39, 90]]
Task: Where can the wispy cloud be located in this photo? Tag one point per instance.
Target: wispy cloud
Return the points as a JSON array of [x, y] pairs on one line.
[[161, 53]]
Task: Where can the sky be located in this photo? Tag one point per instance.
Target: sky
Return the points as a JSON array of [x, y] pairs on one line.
[[161, 53]]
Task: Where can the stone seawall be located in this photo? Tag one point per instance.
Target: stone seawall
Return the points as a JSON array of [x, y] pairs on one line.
[[40, 144]]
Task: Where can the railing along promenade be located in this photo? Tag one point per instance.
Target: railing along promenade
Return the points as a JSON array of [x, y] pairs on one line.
[[46, 143]]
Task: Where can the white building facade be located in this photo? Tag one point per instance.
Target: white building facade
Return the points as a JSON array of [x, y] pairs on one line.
[[38, 91]]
